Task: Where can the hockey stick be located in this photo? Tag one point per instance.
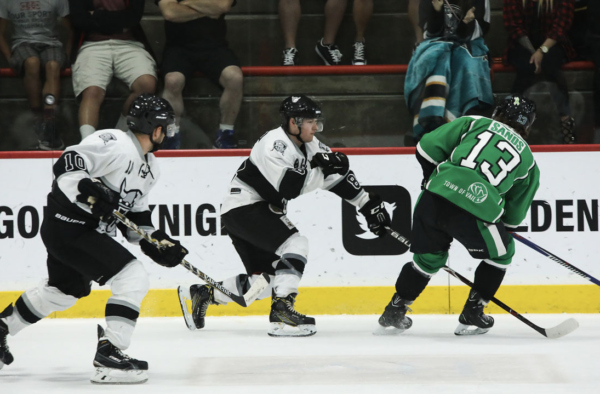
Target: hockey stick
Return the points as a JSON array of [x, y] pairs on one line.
[[255, 290], [561, 330], [555, 258]]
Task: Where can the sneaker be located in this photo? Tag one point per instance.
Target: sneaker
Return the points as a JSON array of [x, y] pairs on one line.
[[472, 315], [48, 140], [360, 57], [115, 367], [290, 57], [202, 297], [567, 127], [6, 357], [330, 54], [394, 320], [225, 140], [284, 315]]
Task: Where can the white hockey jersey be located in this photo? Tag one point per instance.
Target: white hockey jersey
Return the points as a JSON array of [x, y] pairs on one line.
[[278, 171], [116, 158]]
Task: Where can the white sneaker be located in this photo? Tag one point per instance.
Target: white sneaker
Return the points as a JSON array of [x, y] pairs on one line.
[[289, 56]]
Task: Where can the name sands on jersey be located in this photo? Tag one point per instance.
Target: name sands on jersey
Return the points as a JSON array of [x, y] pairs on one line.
[[510, 135]]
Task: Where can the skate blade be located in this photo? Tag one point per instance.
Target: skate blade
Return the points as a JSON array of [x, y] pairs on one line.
[[283, 330], [464, 329], [184, 295], [381, 330], [104, 375]]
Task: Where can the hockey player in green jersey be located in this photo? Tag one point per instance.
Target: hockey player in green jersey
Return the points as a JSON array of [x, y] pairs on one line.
[[480, 178]]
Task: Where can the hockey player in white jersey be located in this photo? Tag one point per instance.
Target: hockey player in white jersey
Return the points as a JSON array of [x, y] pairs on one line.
[[109, 170], [284, 163]]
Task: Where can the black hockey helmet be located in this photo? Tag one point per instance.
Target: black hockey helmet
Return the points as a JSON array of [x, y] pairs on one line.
[[517, 110], [300, 107], [147, 112]]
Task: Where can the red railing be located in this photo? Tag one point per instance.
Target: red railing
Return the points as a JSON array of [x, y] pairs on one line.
[[246, 152], [252, 71]]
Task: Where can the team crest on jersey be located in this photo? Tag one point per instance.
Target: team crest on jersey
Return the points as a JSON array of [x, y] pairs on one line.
[[300, 166], [128, 197], [477, 192], [279, 146], [324, 147], [107, 137], [144, 171]]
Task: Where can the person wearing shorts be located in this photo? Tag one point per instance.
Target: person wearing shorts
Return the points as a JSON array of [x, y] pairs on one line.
[[112, 45], [195, 32], [35, 47]]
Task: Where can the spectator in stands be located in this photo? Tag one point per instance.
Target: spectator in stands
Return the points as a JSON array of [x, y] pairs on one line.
[[112, 44], [35, 47], [578, 30], [290, 12], [196, 41], [538, 44], [594, 44], [413, 17], [449, 73]]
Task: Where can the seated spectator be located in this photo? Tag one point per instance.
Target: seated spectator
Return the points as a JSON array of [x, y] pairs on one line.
[[35, 48], [593, 37], [112, 44], [196, 41], [538, 44], [449, 73], [414, 18], [578, 30], [290, 12]]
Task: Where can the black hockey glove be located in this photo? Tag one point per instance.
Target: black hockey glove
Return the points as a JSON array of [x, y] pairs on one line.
[[376, 215], [169, 256], [101, 199], [331, 163]]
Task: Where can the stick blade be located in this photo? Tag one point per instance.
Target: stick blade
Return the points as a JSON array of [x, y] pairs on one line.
[[256, 289], [564, 328]]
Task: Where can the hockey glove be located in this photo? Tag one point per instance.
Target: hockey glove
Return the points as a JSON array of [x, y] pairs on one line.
[[101, 199], [169, 254], [331, 163], [376, 215]]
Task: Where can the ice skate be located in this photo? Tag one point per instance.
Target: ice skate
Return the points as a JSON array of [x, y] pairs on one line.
[[5, 355], [394, 321], [472, 320], [115, 367], [287, 322], [201, 297]]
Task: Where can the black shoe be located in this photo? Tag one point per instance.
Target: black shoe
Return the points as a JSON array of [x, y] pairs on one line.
[[330, 54], [290, 57], [360, 56], [225, 140], [6, 358], [110, 356], [202, 297], [48, 140], [283, 314], [567, 127], [472, 315], [394, 319]]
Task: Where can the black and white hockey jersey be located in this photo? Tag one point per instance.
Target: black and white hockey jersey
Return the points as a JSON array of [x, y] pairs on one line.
[[278, 171], [117, 159]]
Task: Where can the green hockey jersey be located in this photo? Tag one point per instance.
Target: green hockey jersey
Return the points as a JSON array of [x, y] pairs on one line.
[[484, 167]]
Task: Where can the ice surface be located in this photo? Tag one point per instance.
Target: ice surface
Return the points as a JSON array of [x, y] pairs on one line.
[[235, 355]]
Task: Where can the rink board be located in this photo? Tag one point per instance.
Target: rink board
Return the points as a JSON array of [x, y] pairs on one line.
[[345, 273]]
